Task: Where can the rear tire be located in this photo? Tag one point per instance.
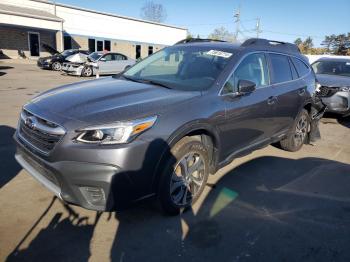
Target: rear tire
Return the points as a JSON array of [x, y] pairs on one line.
[[295, 140], [185, 176]]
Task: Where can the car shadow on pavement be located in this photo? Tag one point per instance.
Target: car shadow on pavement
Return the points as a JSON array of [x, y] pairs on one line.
[[269, 208], [336, 119], [9, 168], [4, 68], [66, 238]]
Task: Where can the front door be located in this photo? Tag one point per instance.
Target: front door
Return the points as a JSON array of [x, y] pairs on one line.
[[249, 116], [34, 41], [105, 64]]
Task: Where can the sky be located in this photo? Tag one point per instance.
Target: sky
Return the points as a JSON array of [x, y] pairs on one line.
[[279, 20]]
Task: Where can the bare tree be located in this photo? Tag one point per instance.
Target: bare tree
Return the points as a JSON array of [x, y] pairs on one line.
[[222, 33], [153, 12]]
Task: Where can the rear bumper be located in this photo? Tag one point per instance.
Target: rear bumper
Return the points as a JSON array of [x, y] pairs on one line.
[[338, 103]]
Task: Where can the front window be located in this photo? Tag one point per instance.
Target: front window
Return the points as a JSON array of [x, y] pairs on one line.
[[341, 68], [188, 68], [253, 68]]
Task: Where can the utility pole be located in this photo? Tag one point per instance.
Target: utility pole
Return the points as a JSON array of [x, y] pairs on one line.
[[237, 16], [257, 28]]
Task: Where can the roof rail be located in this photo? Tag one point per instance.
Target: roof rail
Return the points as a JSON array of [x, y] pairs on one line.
[[193, 40], [275, 45]]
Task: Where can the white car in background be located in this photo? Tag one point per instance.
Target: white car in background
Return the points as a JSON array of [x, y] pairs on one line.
[[99, 63]]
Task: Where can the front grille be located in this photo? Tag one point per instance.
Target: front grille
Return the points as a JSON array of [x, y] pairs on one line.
[[42, 137], [327, 91]]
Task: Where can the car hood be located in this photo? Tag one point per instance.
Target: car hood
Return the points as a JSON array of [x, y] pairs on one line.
[[333, 81], [51, 57], [108, 100]]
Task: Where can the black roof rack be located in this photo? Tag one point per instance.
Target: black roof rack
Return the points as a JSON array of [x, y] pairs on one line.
[[193, 40], [271, 44]]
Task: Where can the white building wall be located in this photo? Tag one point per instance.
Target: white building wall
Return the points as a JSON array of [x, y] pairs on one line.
[[94, 24], [30, 22]]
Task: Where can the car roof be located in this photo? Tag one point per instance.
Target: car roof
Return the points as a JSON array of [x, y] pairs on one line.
[[252, 44]]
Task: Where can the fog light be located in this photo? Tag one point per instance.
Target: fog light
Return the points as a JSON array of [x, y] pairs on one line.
[[94, 195]]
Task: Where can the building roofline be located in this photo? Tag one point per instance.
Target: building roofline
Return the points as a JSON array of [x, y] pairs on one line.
[[108, 14]]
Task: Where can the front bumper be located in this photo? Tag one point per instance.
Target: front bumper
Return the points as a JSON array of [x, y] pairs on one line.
[[72, 69], [43, 64], [338, 103], [94, 185]]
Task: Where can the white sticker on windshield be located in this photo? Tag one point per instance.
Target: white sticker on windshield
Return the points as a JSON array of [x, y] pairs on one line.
[[219, 53], [347, 63]]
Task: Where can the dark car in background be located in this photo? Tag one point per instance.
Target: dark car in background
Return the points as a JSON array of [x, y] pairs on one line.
[[55, 61], [333, 75], [161, 127]]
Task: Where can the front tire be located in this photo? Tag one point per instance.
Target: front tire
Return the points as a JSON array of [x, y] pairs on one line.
[[87, 71], [294, 141], [56, 66], [185, 175]]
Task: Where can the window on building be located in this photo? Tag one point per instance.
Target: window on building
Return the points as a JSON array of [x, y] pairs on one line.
[[107, 45], [150, 50], [99, 46], [92, 45], [67, 42], [138, 51], [280, 68]]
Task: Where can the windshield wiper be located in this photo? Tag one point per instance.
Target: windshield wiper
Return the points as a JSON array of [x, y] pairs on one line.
[[147, 81]]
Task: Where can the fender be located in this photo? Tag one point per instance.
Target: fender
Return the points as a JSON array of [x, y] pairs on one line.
[[177, 135]]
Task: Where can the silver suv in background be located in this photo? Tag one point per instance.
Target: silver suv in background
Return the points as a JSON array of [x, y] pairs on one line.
[[333, 75], [98, 62]]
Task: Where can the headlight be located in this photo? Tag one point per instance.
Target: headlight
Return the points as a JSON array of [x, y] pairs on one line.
[[48, 60], [345, 89], [117, 133], [317, 87]]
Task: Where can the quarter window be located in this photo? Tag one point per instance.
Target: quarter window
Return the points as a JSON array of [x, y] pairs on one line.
[[280, 68], [301, 67], [252, 68]]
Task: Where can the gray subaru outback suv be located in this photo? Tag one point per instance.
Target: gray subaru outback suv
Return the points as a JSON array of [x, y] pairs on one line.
[[160, 128]]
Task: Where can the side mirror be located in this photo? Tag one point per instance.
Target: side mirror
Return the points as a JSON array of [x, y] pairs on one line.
[[103, 59], [246, 87]]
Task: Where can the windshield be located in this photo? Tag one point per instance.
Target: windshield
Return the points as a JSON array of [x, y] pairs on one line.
[[341, 68], [189, 68], [67, 53], [94, 56]]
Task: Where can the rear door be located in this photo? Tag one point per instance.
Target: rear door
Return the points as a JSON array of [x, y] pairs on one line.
[[120, 63], [288, 90], [248, 117]]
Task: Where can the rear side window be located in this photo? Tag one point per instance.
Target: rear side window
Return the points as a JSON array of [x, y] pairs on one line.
[[301, 67], [281, 71]]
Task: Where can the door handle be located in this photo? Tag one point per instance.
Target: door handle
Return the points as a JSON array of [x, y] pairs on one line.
[[271, 100], [302, 91]]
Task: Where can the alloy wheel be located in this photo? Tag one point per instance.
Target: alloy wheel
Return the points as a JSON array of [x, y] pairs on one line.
[[301, 130], [187, 179], [56, 66]]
